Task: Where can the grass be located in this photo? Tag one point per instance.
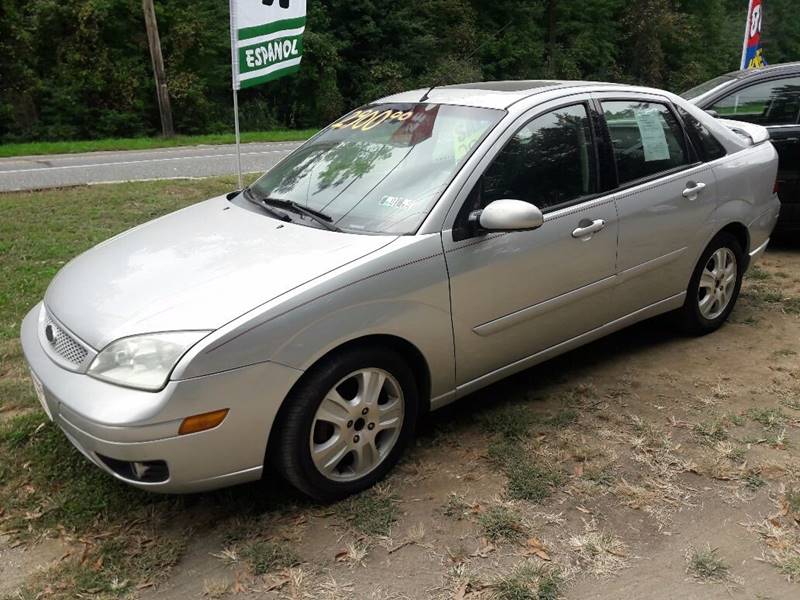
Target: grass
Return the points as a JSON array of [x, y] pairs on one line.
[[265, 556], [711, 431], [455, 507], [528, 582], [757, 274], [600, 553], [372, 512], [108, 568], [759, 296], [770, 418], [792, 498], [499, 523], [45, 483], [512, 420], [563, 418], [706, 564], [753, 481], [527, 480], [148, 143]]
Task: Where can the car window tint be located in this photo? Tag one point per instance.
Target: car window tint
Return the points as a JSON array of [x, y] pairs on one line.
[[646, 137], [704, 141], [768, 103], [548, 162]]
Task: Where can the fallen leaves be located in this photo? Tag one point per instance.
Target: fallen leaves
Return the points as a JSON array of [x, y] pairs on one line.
[[535, 547]]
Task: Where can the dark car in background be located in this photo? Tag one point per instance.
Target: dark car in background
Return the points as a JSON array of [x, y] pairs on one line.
[[768, 97]]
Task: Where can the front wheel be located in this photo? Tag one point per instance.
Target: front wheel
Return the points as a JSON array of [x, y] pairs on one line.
[[714, 286], [347, 423]]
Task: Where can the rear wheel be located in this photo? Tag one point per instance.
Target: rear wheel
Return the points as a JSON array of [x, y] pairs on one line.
[[714, 286], [347, 423]]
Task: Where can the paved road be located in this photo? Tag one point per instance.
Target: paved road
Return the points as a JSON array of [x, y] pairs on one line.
[[57, 170]]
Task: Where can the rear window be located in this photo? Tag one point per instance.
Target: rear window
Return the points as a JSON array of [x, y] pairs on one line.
[[646, 137], [707, 146]]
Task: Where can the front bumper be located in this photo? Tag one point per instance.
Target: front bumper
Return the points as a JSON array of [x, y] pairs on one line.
[[105, 421]]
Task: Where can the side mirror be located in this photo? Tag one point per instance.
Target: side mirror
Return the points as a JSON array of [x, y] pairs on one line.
[[713, 113], [507, 215]]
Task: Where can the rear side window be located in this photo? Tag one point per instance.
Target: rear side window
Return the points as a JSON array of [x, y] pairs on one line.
[[704, 141], [768, 103], [646, 137], [548, 162]]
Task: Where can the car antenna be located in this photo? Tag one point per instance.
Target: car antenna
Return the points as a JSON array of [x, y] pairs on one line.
[[427, 94]]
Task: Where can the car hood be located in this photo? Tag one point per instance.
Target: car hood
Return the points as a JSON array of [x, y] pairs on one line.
[[197, 268]]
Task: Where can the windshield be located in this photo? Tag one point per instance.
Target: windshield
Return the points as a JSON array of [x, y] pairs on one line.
[[709, 85], [380, 169]]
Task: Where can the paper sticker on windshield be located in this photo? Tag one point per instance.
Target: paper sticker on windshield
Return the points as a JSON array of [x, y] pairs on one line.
[[396, 202], [463, 142], [654, 139]]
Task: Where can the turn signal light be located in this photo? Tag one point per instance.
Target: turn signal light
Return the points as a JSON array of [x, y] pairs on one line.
[[202, 422], [777, 187]]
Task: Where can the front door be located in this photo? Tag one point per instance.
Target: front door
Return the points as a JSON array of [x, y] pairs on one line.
[[516, 294]]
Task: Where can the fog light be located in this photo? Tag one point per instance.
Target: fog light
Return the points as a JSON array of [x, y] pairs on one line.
[[202, 422]]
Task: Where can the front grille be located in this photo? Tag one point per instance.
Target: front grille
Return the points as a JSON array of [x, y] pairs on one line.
[[63, 343]]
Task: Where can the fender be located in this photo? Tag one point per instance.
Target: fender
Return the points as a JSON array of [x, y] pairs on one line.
[[408, 299]]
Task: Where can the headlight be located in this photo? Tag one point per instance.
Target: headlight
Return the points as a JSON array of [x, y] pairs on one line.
[[143, 361]]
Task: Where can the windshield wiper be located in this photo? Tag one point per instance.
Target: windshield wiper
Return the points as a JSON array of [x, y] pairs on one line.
[[281, 216], [319, 216]]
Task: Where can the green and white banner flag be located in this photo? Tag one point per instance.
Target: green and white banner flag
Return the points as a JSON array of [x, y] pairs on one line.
[[266, 39]]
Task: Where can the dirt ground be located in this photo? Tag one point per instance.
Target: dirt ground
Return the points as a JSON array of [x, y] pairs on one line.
[[647, 465]]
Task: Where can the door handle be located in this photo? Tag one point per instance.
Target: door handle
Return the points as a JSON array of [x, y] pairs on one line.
[[588, 230], [693, 190]]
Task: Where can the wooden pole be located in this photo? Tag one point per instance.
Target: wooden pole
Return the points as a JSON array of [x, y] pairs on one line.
[[164, 108]]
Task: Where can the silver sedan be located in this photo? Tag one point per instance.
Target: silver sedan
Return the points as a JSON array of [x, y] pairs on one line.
[[414, 251]]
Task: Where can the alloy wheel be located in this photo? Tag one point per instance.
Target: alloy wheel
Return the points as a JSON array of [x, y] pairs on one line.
[[717, 283], [357, 424]]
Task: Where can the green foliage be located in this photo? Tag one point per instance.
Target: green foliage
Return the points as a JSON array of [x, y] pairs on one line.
[[501, 523], [528, 479], [528, 582], [265, 556], [44, 480], [372, 512], [80, 69]]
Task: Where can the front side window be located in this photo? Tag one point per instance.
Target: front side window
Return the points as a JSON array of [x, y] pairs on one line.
[[646, 137], [768, 103], [380, 169], [548, 162]]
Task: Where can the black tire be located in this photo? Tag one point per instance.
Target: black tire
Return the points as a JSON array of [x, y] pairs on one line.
[[289, 451], [689, 317]]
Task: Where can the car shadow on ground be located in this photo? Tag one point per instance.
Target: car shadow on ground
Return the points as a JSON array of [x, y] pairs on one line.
[[272, 493]]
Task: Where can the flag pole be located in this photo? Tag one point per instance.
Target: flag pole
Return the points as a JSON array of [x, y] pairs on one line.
[[235, 85], [238, 137], [746, 35]]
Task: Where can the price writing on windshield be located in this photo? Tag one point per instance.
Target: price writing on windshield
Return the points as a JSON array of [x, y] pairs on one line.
[[364, 120]]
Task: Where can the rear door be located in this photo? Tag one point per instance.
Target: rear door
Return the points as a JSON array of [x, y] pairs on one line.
[[775, 104], [664, 195]]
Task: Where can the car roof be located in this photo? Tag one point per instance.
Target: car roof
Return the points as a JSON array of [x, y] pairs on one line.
[[497, 94], [769, 70]]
